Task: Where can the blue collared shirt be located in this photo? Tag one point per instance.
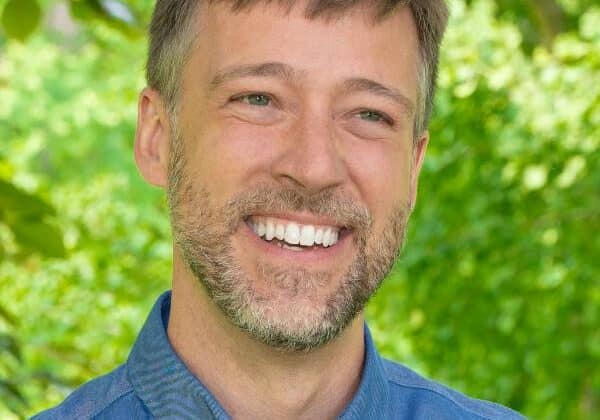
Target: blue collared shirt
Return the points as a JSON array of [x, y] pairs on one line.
[[154, 383]]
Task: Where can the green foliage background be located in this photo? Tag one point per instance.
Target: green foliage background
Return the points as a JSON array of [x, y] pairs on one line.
[[497, 293]]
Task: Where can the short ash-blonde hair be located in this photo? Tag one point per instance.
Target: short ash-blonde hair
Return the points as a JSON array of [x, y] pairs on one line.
[[172, 36]]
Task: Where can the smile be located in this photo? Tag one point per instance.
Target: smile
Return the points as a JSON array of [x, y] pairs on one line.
[[293, 235]]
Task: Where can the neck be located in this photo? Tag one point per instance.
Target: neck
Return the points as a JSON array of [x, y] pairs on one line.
[[254, 380]]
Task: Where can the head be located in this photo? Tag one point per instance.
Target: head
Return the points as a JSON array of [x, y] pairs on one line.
[[289, 137]]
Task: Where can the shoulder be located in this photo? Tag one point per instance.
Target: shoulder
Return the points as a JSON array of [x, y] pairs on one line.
[[426, 399], [107, 397]]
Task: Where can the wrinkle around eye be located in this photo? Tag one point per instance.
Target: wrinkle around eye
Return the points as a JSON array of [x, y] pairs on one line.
[[385, 128], [254, 114]]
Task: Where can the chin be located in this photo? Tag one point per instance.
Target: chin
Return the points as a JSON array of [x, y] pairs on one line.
[[293, 308]]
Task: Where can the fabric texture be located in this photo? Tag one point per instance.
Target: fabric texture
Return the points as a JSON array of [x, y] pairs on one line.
[[155, 384]]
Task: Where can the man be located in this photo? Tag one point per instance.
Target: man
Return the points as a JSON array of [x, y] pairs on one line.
[[289, 136]]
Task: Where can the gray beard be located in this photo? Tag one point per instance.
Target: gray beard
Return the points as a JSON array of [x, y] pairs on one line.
[[203, 232]]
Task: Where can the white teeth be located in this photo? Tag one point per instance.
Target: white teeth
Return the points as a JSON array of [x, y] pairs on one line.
[[280, 232], [327, 237], [261, 229], [270, 231], [307, 235], [292, 234], [319, 236]]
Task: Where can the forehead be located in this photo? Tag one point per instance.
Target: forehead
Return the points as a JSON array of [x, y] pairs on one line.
[[353, 43]]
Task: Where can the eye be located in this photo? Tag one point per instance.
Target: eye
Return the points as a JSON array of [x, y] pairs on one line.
[[255, 99], [374, 116], [369, 123]]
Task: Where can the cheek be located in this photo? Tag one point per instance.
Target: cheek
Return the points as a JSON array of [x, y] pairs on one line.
[[381, 171], [230, 154], [252, 146]]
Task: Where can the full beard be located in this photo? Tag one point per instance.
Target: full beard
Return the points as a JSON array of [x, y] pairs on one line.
[[292, 314]]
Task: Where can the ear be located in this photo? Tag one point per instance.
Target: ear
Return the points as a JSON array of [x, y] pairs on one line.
[[418, 157], [152, 138]]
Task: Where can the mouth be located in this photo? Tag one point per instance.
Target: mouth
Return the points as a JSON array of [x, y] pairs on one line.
[[294, 235]]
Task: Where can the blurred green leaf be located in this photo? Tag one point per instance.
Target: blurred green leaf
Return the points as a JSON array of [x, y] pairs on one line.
[[39, 236], [113, 13], [20, 18], [7, 316], [11, 394], [9, 344], [24, 204]]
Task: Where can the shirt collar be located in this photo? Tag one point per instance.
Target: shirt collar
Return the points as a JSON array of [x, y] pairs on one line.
[[168, 388], [159, 377], [372, 396]]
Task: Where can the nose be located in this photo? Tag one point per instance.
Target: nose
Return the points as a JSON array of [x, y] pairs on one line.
[[312, 158]]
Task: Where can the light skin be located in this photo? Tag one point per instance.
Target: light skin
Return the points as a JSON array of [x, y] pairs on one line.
[[269, 98]]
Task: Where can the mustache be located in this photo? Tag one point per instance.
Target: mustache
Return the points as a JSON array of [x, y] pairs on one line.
[[344, 210]]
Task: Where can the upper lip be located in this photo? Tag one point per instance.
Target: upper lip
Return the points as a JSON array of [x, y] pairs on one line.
[[303, 218]]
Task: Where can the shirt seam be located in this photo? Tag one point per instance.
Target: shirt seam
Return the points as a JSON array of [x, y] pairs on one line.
[[447, 397], [118, 397]]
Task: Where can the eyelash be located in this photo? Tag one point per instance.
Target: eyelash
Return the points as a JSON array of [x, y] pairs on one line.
[[240, 98]]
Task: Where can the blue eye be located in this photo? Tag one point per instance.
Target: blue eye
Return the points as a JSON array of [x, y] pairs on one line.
[[256, 99], [373, 116]]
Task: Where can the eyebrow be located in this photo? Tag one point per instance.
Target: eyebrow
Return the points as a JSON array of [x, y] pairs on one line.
[[286, 72], [271, 69], [367, 85]]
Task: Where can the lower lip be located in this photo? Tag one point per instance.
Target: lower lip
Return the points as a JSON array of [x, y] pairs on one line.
[[306, 255]]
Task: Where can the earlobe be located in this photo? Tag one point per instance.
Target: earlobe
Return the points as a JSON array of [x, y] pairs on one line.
[[151, 147], [418, 157]]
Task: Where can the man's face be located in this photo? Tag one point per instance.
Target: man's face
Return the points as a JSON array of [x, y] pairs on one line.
[[296, 169]]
